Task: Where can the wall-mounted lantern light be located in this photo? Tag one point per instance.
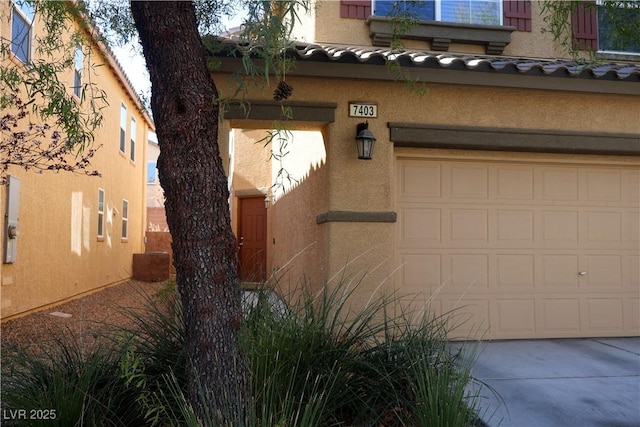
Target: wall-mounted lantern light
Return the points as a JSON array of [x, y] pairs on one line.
[[268, 199], [364, 141]]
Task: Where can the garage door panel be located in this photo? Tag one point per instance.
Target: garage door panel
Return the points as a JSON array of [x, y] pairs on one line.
[[466, 181], [515, 316], [559, 227], [632, 314], [420, 271], [634, 268], [560, 316], [420, 226], [419, 179], [514, 227], [469, 318], [559, 271], [514, 183], [602, 227], [469, 225], [604, 315], [504, 242], [631, 230], [515, 271], [557, 183], [603, 271], [602, 185], [469, 270]]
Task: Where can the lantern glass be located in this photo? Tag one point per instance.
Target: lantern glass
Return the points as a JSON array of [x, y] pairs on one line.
[[365, 142], [365, 148]]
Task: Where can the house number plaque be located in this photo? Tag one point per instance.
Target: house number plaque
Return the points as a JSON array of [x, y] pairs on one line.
[[363, 109]]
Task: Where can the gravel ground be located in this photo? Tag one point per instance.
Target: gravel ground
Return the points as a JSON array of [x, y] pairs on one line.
[[81, 317]]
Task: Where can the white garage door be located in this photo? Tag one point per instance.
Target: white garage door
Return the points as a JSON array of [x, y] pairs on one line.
[[521, 249]]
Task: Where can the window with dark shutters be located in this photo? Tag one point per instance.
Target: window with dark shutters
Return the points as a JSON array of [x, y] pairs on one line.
[[355, 9], [517, 13], [584, 23]]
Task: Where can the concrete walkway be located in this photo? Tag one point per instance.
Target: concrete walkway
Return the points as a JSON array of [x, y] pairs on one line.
[[563, 382]]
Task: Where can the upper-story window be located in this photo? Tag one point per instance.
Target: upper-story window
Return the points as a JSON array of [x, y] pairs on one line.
[[485, 12], [607, 29], [621, 17], [132, 152], [123, 128], [78, 65], [21, 30]]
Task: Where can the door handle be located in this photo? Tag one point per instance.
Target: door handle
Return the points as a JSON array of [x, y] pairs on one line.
[[241, 243]]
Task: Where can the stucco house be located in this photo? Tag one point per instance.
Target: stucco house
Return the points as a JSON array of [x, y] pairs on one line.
[[508, 193], [75, 233]]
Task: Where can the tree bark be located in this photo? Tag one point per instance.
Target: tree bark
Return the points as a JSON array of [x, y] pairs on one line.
[[185, 110]]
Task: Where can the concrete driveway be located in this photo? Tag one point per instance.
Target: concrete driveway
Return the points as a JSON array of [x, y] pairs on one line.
[[562, 382]]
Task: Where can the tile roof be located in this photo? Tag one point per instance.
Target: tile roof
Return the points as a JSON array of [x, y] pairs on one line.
[[622, 71]]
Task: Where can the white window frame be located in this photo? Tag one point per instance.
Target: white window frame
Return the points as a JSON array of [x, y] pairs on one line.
[[101, 209], [125, 220], [438, 13], [78, 66], [132, 146], [123, 128], [438, 9], [17, 9], [599, 4]]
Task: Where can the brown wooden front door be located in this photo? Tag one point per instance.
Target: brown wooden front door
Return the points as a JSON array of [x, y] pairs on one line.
[[252, 232]]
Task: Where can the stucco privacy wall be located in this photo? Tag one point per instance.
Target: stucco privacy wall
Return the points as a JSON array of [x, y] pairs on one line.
[[356, 185], [59, 254], [296, 185]]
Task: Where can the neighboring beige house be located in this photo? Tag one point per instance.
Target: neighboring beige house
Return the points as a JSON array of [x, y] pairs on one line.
[[508, 193], [75, 234], [156, 218]]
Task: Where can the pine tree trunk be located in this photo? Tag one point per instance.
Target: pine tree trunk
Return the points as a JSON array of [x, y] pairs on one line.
[[185, 111]]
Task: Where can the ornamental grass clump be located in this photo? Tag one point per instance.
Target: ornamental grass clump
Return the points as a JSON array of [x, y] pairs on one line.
[[316, 361], [65, 384], [326, 363]]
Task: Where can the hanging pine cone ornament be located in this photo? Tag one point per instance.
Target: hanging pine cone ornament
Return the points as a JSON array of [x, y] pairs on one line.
[[283, 91]]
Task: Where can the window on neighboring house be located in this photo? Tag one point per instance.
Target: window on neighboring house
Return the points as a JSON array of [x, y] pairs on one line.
[[100, 213], [125, 219], [620, 17], [152, 173], [123, 128], [132, 153], [21, 23], [78, 65], [485, 12]]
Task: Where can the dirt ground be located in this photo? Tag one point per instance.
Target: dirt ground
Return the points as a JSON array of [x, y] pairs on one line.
[[81, 317]]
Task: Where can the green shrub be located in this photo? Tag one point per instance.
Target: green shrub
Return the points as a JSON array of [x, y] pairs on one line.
[[369, 367], [314, 362], [61, 386]]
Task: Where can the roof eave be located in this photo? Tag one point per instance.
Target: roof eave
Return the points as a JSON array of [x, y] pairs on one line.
[[464, 76]]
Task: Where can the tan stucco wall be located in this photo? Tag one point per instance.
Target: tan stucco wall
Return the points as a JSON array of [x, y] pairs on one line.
[[454, 98], [330, 28], [350, 184], [299, 250], [59, 255], [295, 245]]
